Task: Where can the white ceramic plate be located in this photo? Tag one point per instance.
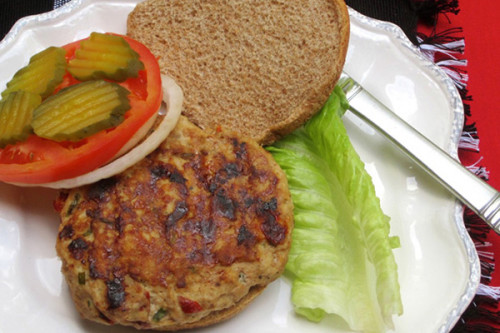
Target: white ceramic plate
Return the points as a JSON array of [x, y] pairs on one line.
[[438, 265]]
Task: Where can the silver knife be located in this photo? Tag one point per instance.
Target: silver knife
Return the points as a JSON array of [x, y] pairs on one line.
[[472, 191]]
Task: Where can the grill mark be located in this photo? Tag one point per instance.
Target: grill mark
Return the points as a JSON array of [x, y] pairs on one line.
[[66, 232], [224, 205], [78, 247], [176, 177], [240, 149], [104, 255], [228, 171], [271, 205], [208, 229], [205, 228], [245, 237], [93, 271], [167, 171], [274, 232], [203, 255], [115, 293], [179, 212], [119, 224], [100, 190]]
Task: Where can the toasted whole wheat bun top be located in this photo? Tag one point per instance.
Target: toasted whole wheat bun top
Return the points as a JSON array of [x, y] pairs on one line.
[[261, 68]]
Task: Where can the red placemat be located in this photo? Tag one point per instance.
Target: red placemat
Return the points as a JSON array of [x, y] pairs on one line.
[[481, 30], [480, 27]]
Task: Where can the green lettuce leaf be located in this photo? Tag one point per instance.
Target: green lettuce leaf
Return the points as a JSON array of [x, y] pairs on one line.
[[341, 261]]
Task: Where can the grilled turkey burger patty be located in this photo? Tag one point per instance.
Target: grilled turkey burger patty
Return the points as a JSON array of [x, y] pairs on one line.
[[185, 238]]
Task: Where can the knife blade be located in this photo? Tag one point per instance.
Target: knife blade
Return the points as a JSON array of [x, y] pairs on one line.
[[472, 191]]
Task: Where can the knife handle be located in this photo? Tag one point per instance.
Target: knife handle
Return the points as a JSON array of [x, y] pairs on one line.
[[472, 191]]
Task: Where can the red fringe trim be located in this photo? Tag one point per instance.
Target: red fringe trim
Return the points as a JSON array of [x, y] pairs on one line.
[[446, 48]]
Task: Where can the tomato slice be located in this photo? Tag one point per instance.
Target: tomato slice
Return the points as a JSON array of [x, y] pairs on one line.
[[38, 160]]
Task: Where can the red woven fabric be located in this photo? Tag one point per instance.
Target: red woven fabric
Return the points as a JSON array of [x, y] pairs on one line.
[[480, 28]]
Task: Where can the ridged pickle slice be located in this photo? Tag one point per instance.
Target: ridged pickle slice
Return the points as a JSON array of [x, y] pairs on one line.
[[105, 56], [43, 73], [81, 110], [16, 113]]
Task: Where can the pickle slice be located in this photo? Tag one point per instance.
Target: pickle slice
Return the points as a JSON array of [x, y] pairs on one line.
[[16, 112], [43, 73], [105, 56], [81, 110]]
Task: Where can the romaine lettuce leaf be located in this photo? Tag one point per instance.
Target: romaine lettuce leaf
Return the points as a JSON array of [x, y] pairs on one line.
[[341, 261]]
